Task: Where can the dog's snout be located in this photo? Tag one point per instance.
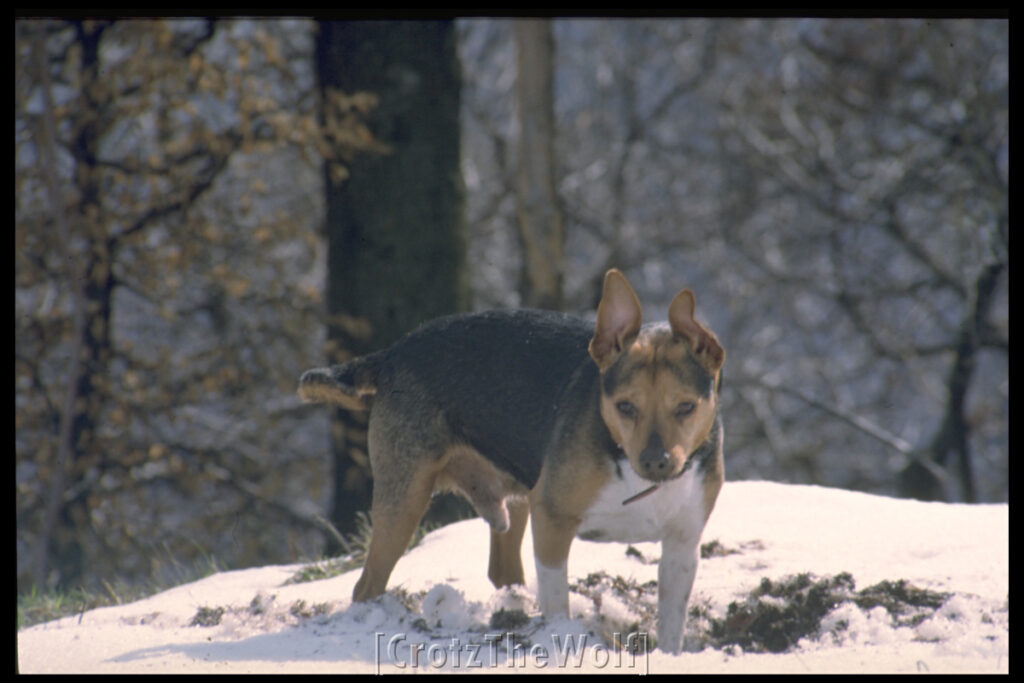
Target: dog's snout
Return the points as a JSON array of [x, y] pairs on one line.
[[655, 461]]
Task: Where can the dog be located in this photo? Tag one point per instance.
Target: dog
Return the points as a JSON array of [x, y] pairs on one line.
[[606, 431]]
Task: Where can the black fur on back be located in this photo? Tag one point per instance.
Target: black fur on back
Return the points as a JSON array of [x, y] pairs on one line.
[[501, 379]]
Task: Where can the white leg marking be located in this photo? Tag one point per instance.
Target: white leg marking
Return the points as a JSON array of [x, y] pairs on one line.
[[553, 590], [676, 571]]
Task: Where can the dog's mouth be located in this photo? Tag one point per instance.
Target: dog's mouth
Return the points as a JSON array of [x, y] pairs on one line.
[[654, 486]]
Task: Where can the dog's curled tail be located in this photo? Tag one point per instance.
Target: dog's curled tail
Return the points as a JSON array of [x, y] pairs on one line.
[[349, 385]]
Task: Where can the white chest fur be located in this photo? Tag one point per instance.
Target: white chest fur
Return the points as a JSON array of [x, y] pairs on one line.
[[675, 509]]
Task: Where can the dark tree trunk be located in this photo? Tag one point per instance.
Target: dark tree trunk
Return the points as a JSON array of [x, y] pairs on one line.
[[66, 519], [917, 481], [396, 244], [541, 225]]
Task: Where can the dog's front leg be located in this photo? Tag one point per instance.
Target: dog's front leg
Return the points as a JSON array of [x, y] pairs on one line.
[[676, 572], [552, 537], [553, 589]]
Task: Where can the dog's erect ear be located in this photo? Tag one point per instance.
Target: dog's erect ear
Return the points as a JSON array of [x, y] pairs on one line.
[[703, 342], [618, 318]]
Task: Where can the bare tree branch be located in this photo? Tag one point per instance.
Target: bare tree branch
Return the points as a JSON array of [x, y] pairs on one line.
[[858, 422]]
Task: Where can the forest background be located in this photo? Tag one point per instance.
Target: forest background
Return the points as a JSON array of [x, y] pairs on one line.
[[204, 209]]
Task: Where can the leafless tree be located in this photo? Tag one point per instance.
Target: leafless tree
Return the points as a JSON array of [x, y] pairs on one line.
[[166, 296], [835, 191]]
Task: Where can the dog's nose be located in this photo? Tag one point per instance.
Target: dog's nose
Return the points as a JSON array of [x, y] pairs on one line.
[[655, 462]]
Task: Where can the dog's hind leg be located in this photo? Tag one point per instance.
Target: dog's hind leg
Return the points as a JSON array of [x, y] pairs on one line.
[[398, 505], [405, 473], [506, 563], [486, 487]]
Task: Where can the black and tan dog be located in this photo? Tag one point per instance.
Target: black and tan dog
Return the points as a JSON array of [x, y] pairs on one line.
[[607, 431]]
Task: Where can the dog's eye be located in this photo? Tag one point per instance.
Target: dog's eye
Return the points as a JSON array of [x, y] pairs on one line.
[[684, 409], [626, 409]]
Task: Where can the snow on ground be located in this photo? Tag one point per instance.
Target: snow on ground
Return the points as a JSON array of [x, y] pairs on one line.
[[440, 617]]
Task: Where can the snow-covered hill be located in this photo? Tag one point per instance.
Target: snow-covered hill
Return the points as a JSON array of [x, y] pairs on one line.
[[907, 586]]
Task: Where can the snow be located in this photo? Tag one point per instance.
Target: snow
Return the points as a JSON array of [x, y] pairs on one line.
[[778, 530]]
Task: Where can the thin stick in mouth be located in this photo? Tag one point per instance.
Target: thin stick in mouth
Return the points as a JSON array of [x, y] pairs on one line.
[[646, 492]]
